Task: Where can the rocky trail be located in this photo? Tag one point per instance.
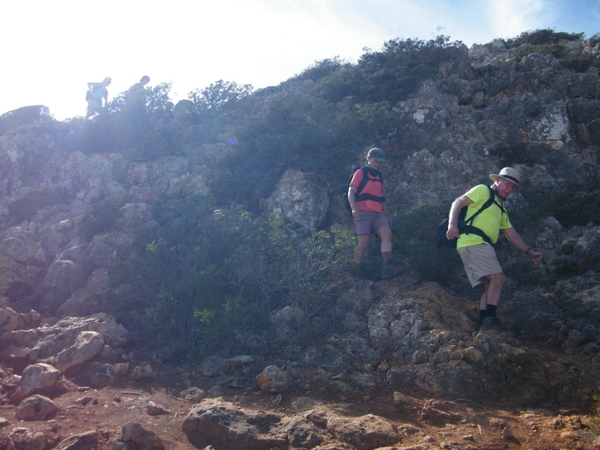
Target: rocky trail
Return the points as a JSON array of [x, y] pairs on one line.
[[108, 398], [88, 418]]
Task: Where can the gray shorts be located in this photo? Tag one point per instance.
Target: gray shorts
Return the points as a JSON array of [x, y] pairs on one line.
[[479, 261], [371, 222]]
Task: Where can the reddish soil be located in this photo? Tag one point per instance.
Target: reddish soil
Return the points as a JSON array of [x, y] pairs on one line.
[[475, 426]]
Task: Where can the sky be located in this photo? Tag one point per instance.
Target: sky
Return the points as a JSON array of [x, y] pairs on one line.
[[51, 49]]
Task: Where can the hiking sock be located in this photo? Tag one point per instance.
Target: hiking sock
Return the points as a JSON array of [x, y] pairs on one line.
[[482, 315], [386, 256], [491, 310]]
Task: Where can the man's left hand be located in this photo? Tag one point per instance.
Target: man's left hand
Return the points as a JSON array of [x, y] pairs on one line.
[[535, 256]]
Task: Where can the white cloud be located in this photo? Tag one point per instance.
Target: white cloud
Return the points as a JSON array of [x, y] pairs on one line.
[[510, 18]]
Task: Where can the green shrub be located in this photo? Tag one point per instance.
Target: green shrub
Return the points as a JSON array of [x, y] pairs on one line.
[[204, 279], [554, 43], [542, 37], [297, 131], [28, 118], [322, 69], [132, 128], [219, 96], [341, 85], [396, 72]]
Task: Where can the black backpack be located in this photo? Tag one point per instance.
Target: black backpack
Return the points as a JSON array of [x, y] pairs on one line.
[[358, 196], [464, 226]]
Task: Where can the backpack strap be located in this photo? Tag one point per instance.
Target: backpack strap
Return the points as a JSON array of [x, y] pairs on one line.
[[470, 229], [359, 197]]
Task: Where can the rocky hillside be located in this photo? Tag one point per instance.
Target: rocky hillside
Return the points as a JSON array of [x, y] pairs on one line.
[[205, 246]]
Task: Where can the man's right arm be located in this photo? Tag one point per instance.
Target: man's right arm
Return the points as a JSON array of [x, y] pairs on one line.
[[457, 205], [352, 201]]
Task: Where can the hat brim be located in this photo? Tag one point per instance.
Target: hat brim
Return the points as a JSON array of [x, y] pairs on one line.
[[494, 177], [381, 160]]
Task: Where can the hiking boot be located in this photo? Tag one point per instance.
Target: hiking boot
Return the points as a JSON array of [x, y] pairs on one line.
[[390, 271], [490, 324]]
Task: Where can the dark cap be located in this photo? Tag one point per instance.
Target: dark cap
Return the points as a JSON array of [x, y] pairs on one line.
[[377, 154]]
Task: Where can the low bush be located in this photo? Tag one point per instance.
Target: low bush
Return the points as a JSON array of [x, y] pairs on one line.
[[205, 278]]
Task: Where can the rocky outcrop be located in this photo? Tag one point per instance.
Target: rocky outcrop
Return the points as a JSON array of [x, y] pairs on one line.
[[43, 355], [217, 423], [214, 422], [72, 210], [300, 197]]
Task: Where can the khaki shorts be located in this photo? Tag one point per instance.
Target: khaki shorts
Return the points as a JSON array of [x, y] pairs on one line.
[[479, 261]]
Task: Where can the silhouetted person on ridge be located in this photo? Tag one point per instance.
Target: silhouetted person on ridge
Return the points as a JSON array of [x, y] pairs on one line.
[[139, 86], [135, 96], [97, 97]]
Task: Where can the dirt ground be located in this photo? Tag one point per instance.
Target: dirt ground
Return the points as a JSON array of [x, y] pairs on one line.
[[476, 426]]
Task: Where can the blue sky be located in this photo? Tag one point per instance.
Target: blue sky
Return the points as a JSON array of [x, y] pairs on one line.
[[53, 48]]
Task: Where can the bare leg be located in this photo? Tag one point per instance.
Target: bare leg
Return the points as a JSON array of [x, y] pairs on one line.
[[361, 247], [385, 234], [493, 288]]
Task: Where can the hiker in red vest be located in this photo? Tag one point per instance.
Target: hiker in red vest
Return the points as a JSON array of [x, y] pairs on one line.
[[369, 213], [478, 256]]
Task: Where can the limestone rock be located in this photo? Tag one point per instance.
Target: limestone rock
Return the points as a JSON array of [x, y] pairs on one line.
[[156, 410], [36, 378], [272, 379], [87, 345], [135, 436], [365, 432], [300, 197], [36, 407], [212, 422], [82, 441]]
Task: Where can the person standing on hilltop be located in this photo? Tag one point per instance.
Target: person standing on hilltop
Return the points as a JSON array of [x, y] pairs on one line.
[[365, 195], [139, 86], [97, 97], [477, 254], [135, 96]]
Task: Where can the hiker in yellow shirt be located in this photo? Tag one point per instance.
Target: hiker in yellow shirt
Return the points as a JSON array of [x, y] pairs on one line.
[[478, 256]]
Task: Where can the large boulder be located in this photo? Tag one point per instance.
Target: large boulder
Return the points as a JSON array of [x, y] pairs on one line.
[[301, 197], [87, 345], [36, 407], [212, 422], [37, 378]]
